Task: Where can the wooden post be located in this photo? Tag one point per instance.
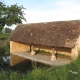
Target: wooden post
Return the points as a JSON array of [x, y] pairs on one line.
[[32, 50], [53, 57]]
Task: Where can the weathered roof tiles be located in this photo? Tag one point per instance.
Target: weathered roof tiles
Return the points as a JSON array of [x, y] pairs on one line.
[[58, 34]]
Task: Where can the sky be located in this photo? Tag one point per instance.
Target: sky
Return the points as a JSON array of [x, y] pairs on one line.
[[49, 10]]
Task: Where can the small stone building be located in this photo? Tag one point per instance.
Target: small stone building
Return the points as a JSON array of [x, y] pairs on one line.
[[61, 37]]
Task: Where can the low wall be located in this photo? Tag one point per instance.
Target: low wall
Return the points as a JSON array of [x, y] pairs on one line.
[[59, 50], [78, 43], [20, 47], [74, 52], [45, 48], [62, 50]]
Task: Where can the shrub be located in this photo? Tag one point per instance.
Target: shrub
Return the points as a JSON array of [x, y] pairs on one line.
[[4, 47]]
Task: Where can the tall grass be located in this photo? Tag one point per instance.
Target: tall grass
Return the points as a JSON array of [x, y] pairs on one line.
[[67, 72]]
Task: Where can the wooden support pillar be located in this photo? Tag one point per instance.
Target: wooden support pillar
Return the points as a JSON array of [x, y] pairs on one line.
[[53, 57], [32, 50]]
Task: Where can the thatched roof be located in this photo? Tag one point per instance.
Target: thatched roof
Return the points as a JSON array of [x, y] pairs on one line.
[[57, 34]]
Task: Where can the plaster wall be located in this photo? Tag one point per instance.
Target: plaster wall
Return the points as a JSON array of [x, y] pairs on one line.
[[74, 52], [63, 50], [14, 60], [59, 50], [45, 48], [18, 47]]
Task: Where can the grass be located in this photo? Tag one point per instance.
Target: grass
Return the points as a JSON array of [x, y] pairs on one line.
[[66, 72]]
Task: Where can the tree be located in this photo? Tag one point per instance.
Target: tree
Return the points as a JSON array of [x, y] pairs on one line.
[[10, 15], [2, 17], [7, 30]]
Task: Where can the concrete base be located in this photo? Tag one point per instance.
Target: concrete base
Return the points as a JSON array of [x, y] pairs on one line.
[[42, 59], [53, 58], [14, 60], [32, 52]]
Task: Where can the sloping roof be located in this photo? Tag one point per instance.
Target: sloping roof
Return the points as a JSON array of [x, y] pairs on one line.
[[58, 34]]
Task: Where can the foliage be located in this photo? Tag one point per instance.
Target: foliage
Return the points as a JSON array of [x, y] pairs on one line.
[[66, 72], [4, 36], [10, 15], [1, 27], [7, 30], [4, 44], [4, 47]]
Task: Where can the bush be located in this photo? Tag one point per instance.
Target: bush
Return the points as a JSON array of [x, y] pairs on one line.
[[4, 47], [8, 30]]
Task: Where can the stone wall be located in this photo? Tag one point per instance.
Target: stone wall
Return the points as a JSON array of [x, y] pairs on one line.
[[74, 52], [18, 47], [14, 60], [78, 43], [59, 50]]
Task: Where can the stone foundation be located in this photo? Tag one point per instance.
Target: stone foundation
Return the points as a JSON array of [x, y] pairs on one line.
[[14, 60]]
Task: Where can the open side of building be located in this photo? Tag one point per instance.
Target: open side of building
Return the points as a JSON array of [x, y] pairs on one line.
[[55, 37]]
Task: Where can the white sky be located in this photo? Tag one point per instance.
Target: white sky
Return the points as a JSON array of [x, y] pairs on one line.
[[49, 10], [67, 11]]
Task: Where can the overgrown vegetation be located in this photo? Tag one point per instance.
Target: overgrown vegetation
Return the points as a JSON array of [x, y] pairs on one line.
[[11, 14], [7, 30], [67, 72], [4, 36], [4, 44]]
